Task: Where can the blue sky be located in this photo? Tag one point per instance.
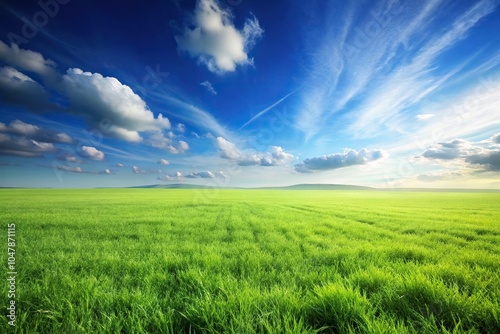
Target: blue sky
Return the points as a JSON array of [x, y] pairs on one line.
[[247, 93]]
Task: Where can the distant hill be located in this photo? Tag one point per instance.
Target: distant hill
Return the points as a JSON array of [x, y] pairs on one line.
[[292, 187], [315, 187], [320, 187], [174, 186]]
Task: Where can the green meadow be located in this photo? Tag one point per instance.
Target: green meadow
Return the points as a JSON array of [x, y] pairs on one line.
[[252, 261]]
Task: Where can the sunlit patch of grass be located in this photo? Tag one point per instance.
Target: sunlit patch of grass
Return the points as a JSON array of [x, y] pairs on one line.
[[159, 261]]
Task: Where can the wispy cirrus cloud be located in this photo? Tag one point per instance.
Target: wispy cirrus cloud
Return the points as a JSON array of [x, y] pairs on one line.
[[208, 86], [359, 73], [472, 112], [411, 81], [189, 113]]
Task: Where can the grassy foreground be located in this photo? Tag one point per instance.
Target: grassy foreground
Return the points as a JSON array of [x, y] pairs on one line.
[[253, 261]]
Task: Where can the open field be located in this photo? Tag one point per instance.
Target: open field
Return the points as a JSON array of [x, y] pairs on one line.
[[253, 261]]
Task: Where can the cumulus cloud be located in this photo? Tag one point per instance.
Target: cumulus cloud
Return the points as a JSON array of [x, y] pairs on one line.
[[29, 61], [214, 41], [23, 147], [208, 86], [163, 162], [28, 140], [19, 89], [91, 153], [171, 177], [496, 138], [182, 147], [484, 155], [104, 102], [159, 140], [110, 106], [107, 172], [138, 170], [273, 157], [457, 148], [30, 131], [68, 158], [206, 175], [348, 157], [120, 165], [180, 128], [489, 160]]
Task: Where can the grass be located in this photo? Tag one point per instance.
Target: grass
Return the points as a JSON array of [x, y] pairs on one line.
[[253, 261]]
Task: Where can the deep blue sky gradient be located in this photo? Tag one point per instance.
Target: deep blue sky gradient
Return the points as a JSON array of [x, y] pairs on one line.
[[375, 95]]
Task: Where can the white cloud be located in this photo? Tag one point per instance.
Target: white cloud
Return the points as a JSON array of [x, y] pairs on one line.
[[190, 113], [138, 170], [495, 139], [484, 155], [359, 63], [206, 175], [68, 158], [208, 135], [28, 140], [273, 157], [214, 40], [29, 61], [180, 128], [347, 158], [172, 177], [19, 89], [410, 82], [424, 117], [91, 153], [158, 140], [182, 147], [104, 102], [30, 131], [23, 147], [110, 106], [276, 156], [208, 86], [120, 165], [163, 162]]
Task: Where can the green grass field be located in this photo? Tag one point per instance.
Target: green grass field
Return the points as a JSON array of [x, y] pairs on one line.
[[253, 261]]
